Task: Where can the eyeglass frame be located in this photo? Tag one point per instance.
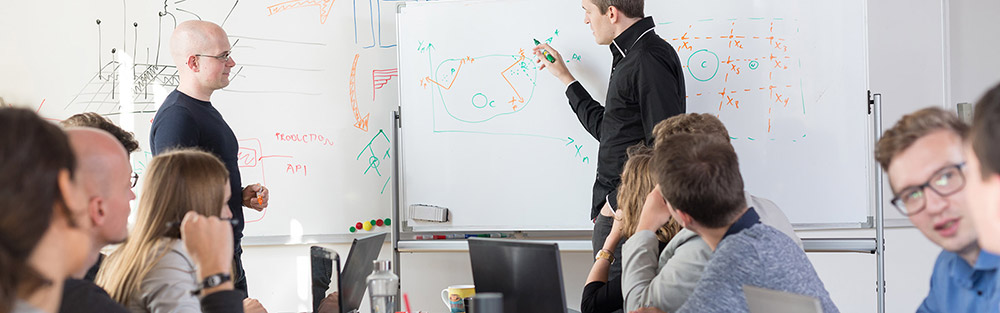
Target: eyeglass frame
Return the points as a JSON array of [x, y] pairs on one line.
[[224, 57], [134, 179], [927, 185]]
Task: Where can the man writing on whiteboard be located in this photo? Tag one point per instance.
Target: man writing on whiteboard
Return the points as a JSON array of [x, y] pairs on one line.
[[646, 86], [187, 118]]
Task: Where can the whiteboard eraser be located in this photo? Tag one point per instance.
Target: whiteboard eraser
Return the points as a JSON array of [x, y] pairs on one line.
[[427, 212]]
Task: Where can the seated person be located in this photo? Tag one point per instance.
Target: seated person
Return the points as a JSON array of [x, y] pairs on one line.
[[601, 295], [664, 278], [103, 173], [699, 184], [922, 155], [106, 231], [43, 222], [983, 159], [153, 271]]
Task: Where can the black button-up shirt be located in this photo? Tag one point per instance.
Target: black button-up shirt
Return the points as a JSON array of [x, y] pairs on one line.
[[646, 87]]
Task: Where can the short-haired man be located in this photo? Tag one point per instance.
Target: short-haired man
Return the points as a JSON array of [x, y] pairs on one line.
[[983, 156], [664, 279], [699, 183], [646, 86], [922, 154], [94, 120], [187, 118]]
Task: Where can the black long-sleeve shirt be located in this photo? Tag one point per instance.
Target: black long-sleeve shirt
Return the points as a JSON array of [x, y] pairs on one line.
[[646, 87]]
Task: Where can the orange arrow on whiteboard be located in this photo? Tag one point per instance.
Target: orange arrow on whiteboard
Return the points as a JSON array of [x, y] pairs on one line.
[[362, 122], [324, 7]]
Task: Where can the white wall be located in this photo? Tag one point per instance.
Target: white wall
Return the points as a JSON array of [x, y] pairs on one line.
[[974, 62]]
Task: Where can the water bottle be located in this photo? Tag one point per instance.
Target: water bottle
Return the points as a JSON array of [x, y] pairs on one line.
[[382, 287]]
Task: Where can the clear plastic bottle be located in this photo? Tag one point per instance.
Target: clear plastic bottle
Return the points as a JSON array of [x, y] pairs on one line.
[[382, 287]]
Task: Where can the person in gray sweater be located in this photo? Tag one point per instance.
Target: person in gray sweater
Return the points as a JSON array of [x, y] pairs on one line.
[[664, 280], [699, 184]]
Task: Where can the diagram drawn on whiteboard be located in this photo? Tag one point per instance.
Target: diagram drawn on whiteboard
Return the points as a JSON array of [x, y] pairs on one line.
[[743, 68], [472, 94]]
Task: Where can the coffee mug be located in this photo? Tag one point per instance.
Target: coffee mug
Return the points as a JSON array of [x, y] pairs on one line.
[[454, 297]]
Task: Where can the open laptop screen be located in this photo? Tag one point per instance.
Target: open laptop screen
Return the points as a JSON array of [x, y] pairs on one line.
[[358, 266], [529, 275]]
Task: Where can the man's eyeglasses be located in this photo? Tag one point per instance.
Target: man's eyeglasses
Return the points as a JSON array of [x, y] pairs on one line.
[[945, 182], [224, 57], [134, 179]]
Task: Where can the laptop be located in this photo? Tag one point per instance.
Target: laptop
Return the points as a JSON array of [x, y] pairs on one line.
[[763, 300], [352, 280], [529, 275]]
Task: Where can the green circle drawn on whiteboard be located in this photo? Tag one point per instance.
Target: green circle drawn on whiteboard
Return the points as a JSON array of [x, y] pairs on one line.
[[754, 65], [486, 101], [710, 55]]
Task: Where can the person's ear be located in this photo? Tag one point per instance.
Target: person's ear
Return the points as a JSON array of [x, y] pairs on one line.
[[192, 63], [613, 14]]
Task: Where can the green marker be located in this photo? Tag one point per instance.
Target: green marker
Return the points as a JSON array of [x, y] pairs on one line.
[[546, 53]]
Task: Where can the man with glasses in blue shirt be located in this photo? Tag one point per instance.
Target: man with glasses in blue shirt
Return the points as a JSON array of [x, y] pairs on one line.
[[923, 156], [187, 118]]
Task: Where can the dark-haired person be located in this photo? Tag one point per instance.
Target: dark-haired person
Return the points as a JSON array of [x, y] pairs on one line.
[[645, 87], [982, 155], [699, 184], [922, 155], [43, 221], [664, 278]]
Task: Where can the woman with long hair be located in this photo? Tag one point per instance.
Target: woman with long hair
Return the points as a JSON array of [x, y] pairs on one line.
[[599, 294], [153, 271], [43, 224]]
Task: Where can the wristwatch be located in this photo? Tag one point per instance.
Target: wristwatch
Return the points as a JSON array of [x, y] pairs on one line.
[[212, 281], [605, 254]]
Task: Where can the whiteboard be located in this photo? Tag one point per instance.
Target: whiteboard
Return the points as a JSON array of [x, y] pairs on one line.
[[788, 78], [307, 72]]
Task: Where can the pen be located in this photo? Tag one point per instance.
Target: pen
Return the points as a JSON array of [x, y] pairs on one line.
[[177, 224], [260, 199]]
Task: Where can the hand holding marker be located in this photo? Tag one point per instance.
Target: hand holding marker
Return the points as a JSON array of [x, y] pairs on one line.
[[546, 53]]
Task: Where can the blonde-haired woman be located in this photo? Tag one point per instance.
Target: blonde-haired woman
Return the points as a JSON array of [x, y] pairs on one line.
[[153, 271], [599, 294]]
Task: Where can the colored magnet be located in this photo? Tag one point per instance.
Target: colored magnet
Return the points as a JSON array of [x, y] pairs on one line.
[[368, 226], [379, 222], [353, 229], [388, 222], [358, 225]]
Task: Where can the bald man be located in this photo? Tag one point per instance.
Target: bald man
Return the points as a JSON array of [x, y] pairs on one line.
[[103, 171], [106, 175], [187, 118]]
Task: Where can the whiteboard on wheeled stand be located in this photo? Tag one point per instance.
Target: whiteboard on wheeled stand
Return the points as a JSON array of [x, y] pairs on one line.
[[488, 135]]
